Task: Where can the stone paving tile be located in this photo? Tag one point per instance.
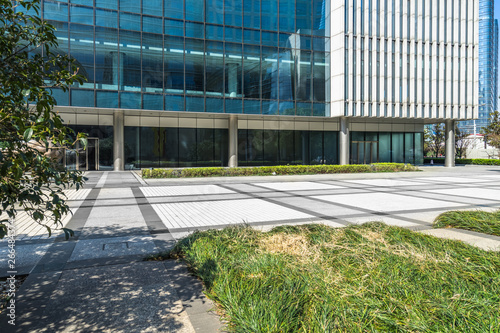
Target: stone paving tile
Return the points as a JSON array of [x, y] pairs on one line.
[[470, 238], [28, 229], [386, 182], [193, 214], [113, 247], [158, 191], [387, 202], [453, 180], [297, 186], [472, 192], [136, 297], [385, 219]]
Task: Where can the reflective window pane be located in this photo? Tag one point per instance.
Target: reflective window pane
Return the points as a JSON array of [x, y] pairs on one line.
[[83, 15], [251, 17], [55, 11], [109, 4], [130, 100], [106, 59], [152, 24], [214, 68], [133, 6], [174, 27], [130, 54], [106, 18], [195, 30], [152, 102], [174, 64], [152, 63], [194, 10], [251, 71], [194, 66], [107, 99], [174, 9], [214, 11], [152, 7], [174, 103], [130, 21], [82, 50]]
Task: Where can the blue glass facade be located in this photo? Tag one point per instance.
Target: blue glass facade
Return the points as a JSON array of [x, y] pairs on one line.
[[219, 56], [488, 67]]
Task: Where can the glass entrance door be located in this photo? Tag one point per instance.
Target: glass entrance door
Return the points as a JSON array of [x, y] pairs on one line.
[[364, 152], [88, 159]]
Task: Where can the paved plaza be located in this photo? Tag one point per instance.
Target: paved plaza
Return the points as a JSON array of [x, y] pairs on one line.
[[97, 281]]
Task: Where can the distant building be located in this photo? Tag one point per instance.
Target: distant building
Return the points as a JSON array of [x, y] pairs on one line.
[[488, 68]]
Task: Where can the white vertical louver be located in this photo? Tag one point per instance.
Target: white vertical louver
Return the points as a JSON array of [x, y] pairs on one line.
[[404, 58]]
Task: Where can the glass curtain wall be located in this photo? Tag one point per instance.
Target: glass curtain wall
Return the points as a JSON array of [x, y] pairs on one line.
[[281, 147], [147, 147], [372, 147], [250, 56]]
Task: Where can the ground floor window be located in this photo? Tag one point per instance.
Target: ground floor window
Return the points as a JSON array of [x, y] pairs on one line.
[[373, 147], [275, 147], [169, 147]]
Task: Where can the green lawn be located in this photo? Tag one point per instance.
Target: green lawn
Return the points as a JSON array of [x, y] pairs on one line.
[[484, 222], [370, 278]]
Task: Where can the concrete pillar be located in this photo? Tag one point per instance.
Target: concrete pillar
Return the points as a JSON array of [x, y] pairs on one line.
[[344, 141], [232, 79], [233, 141], [118, 141], [449, 155]]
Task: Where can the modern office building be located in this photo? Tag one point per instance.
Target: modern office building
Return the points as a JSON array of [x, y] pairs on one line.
[[175, 83], [488, 68]]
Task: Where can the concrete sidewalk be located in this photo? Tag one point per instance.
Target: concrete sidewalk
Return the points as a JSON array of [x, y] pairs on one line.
[[98, 280]]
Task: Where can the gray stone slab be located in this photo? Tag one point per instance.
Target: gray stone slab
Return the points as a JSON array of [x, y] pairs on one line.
[[137, 297], [475, 239], [199, 308], [25, 256], [113, 247]]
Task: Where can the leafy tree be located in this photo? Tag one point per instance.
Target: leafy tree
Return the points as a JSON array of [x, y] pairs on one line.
[[30, 131], [461, 143], [434, 137], [492, 131]]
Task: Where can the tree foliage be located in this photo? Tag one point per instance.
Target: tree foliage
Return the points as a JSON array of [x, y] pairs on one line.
[[30, 130], [461, 143], [434, 137], [492, 131]]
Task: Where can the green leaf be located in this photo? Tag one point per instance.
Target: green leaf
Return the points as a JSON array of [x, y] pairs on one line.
[[28, 134], [68, 233], [84, 142]]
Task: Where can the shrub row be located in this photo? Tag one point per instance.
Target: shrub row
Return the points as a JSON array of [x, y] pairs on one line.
[[276, 170], [473, 161]]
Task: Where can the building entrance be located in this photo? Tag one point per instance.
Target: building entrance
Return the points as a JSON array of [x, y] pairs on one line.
[[88, 159]]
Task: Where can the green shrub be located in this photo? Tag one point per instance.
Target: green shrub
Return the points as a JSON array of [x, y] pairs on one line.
[[469, 161], [276, 170]]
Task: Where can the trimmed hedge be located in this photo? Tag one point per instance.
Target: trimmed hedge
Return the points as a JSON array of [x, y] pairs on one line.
[[276, 170], [473, 161]]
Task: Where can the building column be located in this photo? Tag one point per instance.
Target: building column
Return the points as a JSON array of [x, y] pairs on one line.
[[344, 141], [449, 160], [233, 141], [118, 140]]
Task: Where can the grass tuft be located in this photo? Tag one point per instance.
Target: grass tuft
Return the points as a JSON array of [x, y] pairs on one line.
[[479, 221], [373, 277]]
